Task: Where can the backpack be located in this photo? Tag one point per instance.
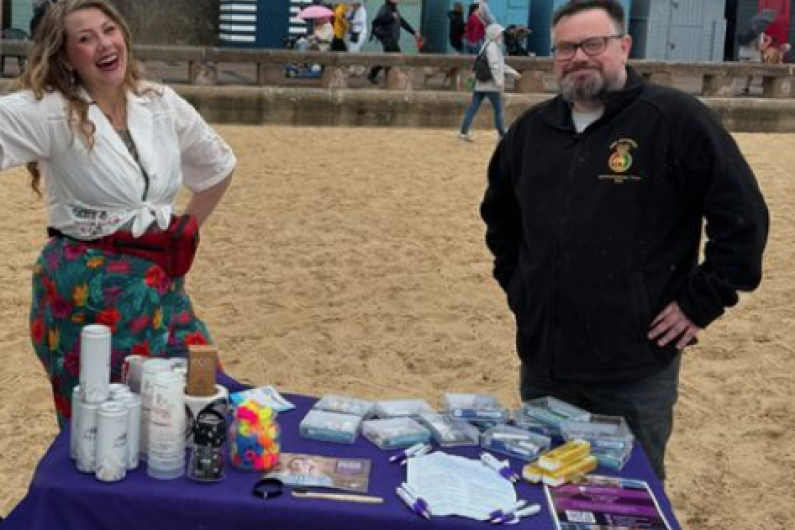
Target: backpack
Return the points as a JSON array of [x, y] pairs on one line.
[[481, 67]]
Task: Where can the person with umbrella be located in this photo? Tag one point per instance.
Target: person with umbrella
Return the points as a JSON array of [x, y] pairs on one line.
[[754, 41], [323, 32]]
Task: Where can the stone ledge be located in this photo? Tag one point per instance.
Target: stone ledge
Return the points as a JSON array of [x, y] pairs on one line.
[[245, 105]]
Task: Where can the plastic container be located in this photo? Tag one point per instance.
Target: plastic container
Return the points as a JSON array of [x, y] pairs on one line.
[[345, 405], [330, 426], [552, 411], [475, 407], [254, 437], [395, 433], [397, 408], [449, 432], [515, 442]]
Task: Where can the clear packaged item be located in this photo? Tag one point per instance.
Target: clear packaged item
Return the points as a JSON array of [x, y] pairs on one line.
[[345, 405], [449, 432], [395, 433], [330, 426], [475, 407], [395, 408], [518, 419], [515, 442], [604, 432], [552, 411], [614, 459]]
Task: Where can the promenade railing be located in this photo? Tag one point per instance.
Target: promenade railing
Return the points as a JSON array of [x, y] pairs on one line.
[[426, 71]]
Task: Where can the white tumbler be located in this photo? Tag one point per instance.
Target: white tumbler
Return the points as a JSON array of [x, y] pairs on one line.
[[94, 363], [150, 368], [111, 451], [167, 419]]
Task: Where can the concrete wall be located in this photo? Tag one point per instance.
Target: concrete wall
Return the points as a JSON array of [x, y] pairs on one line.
[[440, 110], [173, 22]]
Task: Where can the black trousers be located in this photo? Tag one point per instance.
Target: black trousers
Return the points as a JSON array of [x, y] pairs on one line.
[[389, 47]]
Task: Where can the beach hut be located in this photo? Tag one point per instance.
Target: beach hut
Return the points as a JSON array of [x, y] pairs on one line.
[[678, 30], [435, 24], [541, 11], [253, 23]]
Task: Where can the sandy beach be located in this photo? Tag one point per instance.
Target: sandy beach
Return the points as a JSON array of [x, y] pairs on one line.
[[352, 261]]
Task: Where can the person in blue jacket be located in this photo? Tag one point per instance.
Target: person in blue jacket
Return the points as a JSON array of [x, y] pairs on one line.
[[595, 208]]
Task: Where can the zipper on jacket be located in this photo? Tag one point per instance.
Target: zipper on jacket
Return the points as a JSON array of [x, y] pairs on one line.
[[554, 337]]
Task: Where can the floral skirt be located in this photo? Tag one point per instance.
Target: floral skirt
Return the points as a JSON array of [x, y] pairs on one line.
[[74, 285]]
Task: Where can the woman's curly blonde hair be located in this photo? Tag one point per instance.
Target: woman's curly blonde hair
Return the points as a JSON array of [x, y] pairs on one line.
[[46, 69]]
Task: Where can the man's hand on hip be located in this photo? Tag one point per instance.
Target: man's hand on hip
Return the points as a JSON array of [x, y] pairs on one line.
[[672, 324]]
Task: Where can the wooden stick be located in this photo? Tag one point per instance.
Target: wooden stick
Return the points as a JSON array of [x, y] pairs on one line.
[[344, 497]]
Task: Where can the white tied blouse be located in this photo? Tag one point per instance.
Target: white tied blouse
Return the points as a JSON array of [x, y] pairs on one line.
[[92, 192]]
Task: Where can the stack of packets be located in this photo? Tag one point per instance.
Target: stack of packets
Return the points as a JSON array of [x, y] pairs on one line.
[[335, 419], [565, 464]]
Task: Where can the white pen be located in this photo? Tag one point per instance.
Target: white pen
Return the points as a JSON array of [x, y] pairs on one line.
[[515, 517], [502, 468], [406, 453], [422, 451], [496, 514], [412, 502]]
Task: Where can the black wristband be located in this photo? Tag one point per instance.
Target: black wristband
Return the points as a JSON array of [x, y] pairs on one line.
[[268, 488]]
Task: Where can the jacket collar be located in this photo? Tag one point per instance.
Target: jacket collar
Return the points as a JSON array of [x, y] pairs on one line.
[[558, 112]]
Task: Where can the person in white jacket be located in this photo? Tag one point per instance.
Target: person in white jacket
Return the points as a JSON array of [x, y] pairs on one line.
[[357, 27], [113, 151], [494, 87]]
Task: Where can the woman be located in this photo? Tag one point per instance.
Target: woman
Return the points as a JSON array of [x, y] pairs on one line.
[[494, 87], [474, 31], [113, 151], [357, 27]]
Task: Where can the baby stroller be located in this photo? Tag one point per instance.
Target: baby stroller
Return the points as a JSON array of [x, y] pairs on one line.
[[300, 70], [515, 38]]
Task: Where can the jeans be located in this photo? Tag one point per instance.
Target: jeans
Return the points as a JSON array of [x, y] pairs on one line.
[[477, 98], [647, 404]]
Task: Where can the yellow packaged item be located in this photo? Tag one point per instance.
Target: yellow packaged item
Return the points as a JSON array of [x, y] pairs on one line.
[[532, 473], [571, 472], [565, 455]]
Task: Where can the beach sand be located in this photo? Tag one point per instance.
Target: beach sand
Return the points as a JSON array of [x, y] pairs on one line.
[[352, 261]]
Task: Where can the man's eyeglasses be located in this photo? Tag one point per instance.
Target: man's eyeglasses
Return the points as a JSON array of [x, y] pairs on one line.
[[591, 47]]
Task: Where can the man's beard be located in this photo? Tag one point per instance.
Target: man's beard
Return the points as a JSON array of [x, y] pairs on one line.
[[586, 88]]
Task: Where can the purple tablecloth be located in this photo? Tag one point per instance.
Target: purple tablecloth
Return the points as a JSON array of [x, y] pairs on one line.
[[61, 498]]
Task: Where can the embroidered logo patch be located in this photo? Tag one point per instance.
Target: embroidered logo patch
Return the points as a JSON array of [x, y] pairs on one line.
[[621, 160]]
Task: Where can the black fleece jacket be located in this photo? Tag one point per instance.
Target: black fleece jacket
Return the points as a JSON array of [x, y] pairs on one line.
[[594, 233]]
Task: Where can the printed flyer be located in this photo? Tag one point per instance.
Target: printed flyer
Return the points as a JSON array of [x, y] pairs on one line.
[[605, 503], [297, 469]]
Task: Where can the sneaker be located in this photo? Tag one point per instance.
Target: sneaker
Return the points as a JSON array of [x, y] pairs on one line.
[[465, 137]]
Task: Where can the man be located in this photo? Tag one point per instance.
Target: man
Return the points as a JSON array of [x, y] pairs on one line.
[[594, 211], [386, 28]]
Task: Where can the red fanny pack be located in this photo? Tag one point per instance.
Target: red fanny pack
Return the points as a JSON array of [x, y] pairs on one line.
[[173, 249]]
